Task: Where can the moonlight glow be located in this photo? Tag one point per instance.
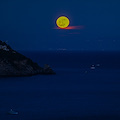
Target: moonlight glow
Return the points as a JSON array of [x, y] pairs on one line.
[[62, 22]]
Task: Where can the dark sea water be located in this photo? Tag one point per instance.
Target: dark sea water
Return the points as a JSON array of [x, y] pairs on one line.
[[76, 92]]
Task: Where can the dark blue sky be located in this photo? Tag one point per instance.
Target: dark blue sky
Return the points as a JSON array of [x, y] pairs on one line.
[[29, 24]]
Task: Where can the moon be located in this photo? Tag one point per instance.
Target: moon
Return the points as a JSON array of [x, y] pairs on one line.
[[62, 22]]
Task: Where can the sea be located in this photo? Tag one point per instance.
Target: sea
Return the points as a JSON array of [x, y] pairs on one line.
[[86, 87]]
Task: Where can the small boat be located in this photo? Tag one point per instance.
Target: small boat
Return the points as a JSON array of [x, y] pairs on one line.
[[92, 67], [11, 112]]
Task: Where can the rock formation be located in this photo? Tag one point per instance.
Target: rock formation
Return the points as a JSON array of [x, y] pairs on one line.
[[13, 63]]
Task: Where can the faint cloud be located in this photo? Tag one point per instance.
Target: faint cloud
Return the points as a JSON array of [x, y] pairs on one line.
[[71, 27], [75, 27]]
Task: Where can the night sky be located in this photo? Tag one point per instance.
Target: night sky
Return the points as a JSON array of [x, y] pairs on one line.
[[31, 24]]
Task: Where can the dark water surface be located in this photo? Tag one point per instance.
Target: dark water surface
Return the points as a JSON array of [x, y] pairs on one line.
[[76, 92]]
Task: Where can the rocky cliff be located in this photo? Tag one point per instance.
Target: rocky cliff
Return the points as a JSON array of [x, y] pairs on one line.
[[13, 63]]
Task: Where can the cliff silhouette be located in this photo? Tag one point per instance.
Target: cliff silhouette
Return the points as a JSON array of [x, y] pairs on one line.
[[13, 63]]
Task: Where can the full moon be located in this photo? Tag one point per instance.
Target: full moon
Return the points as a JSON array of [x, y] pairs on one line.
[[62, 22]]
